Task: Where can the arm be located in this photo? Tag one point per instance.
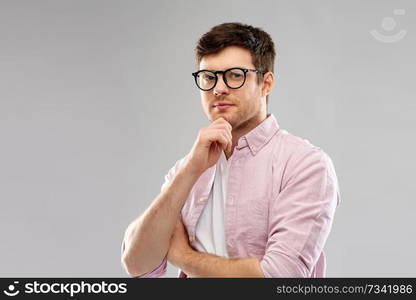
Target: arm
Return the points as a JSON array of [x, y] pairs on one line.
[[146, 240], [301, 216], [197, 264]]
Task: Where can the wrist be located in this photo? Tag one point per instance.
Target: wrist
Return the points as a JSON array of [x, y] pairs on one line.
[[189, 169]]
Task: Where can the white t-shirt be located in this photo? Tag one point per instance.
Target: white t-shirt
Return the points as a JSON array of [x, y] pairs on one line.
[[209, 234]]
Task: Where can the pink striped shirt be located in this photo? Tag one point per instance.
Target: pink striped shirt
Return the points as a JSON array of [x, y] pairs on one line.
[[282, 194]]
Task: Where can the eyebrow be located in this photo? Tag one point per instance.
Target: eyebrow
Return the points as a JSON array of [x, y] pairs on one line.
[[238, 67]]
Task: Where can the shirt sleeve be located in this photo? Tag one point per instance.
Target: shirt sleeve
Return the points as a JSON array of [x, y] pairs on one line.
[[301, 216], [161, 269], [158, 272]]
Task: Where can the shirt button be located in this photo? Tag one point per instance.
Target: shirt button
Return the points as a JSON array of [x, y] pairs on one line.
[[202, 199], [191, 239]]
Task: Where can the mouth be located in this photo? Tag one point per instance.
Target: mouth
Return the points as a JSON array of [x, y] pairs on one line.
[[222, 103], [222, 107]]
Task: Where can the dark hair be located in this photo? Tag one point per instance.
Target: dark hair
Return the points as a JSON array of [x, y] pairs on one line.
[[254, 39]]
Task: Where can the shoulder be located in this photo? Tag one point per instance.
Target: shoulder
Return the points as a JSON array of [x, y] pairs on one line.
[[298, 154], [290, 146]]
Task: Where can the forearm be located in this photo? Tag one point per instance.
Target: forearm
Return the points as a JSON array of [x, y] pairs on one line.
[[198, 264], [147, 238]]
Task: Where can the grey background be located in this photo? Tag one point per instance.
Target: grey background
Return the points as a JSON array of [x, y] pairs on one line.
[[97, 103]]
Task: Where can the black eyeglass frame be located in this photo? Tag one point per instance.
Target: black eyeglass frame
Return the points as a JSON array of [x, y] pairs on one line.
[[196, 74]]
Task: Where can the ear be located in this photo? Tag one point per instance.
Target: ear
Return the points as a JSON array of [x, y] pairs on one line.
[[268, 83]]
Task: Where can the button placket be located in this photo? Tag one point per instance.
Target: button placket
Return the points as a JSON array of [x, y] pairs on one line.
[[232, 191]]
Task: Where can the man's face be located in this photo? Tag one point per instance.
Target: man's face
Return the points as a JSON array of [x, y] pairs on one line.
[[248, 103]]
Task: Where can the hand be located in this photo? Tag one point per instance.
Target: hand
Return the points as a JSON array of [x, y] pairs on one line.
[[179, 248], [210, 142]]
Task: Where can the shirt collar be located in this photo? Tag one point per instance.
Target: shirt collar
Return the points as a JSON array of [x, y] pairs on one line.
[[259, 136]]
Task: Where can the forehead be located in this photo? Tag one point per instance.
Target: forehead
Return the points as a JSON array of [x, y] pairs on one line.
[[229, 57]]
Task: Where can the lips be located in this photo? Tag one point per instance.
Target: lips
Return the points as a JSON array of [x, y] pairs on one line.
[[222, 108], [222, 104]]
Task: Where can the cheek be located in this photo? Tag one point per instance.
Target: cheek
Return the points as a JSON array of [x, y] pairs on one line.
[[205, 101], [250, 96], [252, 90], [255, 96], [203, 96]]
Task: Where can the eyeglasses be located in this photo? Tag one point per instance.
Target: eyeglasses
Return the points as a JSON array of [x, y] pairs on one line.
[[234, 78]]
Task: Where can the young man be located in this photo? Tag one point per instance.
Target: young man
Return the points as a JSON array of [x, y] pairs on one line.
[[249, 199]]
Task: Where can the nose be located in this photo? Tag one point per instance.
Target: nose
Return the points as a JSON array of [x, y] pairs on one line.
[[220, 88]]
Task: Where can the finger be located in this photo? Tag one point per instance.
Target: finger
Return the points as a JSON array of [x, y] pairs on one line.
[[222, 129], [222, 139], [230, 128], [225, 133], [221, 122], [229, 135], [225, 126], [220, 119], [216, 137], [228, 141]]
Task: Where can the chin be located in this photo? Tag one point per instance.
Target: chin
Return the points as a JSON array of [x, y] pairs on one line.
[[225, 116]]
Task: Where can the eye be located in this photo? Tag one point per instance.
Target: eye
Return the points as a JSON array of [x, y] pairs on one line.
[[235, 74], [207, 77]]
